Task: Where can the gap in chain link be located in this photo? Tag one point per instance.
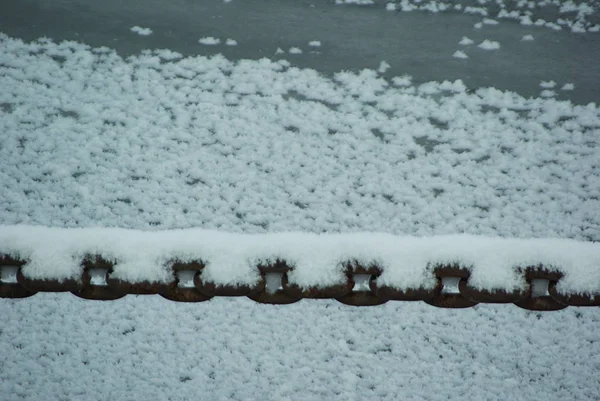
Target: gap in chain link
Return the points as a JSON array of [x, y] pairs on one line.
[[98, 276], [8, 274], [273, 282], [361, 282], [539, 287], [450, 285], [185, 278]]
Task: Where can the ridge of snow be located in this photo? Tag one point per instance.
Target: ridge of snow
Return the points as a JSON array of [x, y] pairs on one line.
[[231, 258]]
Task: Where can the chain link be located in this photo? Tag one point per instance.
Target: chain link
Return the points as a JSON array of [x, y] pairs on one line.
[[96, 283]]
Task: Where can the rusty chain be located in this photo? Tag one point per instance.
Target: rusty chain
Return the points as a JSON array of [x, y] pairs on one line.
[[96, 283]]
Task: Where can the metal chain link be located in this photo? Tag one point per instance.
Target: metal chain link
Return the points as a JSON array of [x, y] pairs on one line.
[[96, 283]]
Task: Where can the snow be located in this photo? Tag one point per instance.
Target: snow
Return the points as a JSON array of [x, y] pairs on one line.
[[568, 87], [577, 17], [460, 54], [295, 50], [147, 142], [314, 43], [547, 84], [231, 42], [209, 41], [526, 38], [489, 21], [466, 41], [55, 253], [383, 67], [489, 45], [239, 161], [547, 93], [141, 31], [55, 346]]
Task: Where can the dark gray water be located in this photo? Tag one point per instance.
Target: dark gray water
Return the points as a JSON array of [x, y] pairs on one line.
[[352, 37]]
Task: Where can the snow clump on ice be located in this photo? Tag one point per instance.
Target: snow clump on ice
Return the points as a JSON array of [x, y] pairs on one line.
[[141, 31], [489, 45], [209, 41]]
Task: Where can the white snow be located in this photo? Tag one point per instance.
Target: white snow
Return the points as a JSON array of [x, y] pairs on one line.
[[231, 42], [55, 253], [404, 80], [547, 93], [526, 38], [279, 51], [460, 54], [314, 43], [547, 84], [209, 41], [295, 50], [141, 31], [56, 346], [489, 45], [568, 87], [562, 14], [277, 160], [383, 67], [145, 142], [465, 41], [478, 25]]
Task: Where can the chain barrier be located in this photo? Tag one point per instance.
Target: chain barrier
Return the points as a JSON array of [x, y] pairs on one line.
[[452, 288]]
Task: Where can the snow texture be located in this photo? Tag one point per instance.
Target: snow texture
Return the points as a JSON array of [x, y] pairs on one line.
[[489, 21], [383, 67], [547, 84], [576, 16], [209, 41], [547, 93], [164, 141], [231, 42], [314, 43], [526, 38], [156, 141], [141, 31], [295, 50], [489, 45], [55, 346], [568, 87], [54, 253], [460, 54], [466, 41]]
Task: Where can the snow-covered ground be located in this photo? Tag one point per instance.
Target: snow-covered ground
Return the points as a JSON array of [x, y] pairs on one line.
[[161, 140]]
